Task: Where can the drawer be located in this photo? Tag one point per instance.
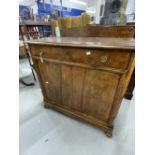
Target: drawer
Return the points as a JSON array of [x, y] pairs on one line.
[[111, 58]]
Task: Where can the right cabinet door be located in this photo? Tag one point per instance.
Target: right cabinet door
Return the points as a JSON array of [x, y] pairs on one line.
[[98, 93]]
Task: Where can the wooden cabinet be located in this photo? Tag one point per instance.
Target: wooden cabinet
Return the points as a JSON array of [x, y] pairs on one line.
[[83, 77]]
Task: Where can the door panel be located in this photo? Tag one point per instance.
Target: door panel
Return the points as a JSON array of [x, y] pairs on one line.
[[99, 92], [89, 91], [72, 85], [51, 78]]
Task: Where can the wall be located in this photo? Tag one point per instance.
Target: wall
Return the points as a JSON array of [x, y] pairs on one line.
[[27, 2], [35, 8], [77, 9], [97, 15], [65, 3], [68, 3], [130, 7]]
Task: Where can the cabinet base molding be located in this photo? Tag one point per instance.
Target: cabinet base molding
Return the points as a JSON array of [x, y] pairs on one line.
[[81, 116]]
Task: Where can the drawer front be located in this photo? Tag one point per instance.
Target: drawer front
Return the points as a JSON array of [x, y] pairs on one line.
[[116, 58]]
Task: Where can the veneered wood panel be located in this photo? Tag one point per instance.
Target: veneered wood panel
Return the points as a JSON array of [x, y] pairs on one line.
[[36, 67], [72, 85], [78, 75], [99, 31], [67, 83], [87, 42], [124, 81], [117, 59], [98, 94], [51, 77]]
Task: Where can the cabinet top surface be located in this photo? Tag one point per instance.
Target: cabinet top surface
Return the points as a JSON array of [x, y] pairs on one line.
[[88, 42]]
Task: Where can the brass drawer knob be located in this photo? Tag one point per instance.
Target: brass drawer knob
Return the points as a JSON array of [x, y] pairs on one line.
[[103, 59]]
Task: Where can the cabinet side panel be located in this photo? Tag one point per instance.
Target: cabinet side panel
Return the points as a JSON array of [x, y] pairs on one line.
[[36, 67], [121, 90]]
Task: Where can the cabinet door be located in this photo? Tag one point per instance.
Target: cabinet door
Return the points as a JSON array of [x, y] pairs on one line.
[[72, 86], [51, 80], [98, 94]]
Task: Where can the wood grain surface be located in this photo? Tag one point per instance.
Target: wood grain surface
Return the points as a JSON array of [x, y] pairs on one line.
[[76, 81], [87, 42]]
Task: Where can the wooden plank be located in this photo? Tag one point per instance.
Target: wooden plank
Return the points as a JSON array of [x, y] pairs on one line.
[[51, 78], [72, 85], [99, 31], [67, 85], [78, 75], [98, 94], [87, 42]]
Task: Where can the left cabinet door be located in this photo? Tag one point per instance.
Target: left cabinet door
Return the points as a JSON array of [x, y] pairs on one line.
[[50, 75]]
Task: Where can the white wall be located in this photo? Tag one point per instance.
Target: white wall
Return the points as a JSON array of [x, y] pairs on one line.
[[35, 8], [91, 7], [31, 2], [91, 3], [68, 3], [56, 2], [97, 15], [27, 2], [65, 3], [130, 7]]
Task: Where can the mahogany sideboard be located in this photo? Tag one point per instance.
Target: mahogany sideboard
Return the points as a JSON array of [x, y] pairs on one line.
[[84, 77]]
